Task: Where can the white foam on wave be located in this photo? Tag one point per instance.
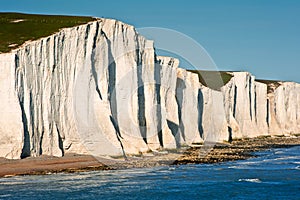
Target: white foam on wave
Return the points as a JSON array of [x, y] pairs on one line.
[[5, 195], [245, 164], [12, 183], [234, 167], [250, 162], [279, 152], [252, 180], [288, 158]]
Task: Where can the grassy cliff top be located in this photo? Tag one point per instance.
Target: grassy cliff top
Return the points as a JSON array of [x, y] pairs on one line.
[[213, 79], [16, 28], [272, 84], [217, 79]]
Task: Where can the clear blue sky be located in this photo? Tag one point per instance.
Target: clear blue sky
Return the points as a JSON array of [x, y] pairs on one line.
[[259, 36]]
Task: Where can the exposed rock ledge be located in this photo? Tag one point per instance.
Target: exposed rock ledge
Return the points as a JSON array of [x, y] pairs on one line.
[[141, 102]]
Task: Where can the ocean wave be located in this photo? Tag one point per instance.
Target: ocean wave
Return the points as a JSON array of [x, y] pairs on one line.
[[233, 167], [5, 195], [12, 183], [252, 180], [288, 158], [279, 152]]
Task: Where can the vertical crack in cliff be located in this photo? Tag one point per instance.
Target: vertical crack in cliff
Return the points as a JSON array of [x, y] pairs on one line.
[[250, 96], [268, 112], [19, 87], [93, 59], [40, 88], [112, 91], [26, 144], [86, 36], [61, 78], [141, 103], [255, 104], [234, 101], [60, 142], [174, 130], [180, 86], [112, 98], [34, 134], [200, 112], [157, 71]]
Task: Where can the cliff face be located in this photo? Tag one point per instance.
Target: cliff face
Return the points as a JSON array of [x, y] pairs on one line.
[[246, 106], [96, 88], [11, 126], [286, 103], [100, 89], [254, 108]]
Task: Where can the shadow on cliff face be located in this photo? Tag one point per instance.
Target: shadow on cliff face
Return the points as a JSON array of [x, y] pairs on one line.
[[200, 112], [26, 144], [176, 134], [157, 72], [180, 86], [141, 105], [112, 97]]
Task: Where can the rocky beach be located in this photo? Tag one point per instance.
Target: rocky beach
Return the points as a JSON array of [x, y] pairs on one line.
[[210, 153]]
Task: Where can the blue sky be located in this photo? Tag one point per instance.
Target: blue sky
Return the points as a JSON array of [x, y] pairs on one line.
[[259, 36]]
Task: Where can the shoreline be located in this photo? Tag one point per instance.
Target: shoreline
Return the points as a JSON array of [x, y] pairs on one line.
[[239, 149]]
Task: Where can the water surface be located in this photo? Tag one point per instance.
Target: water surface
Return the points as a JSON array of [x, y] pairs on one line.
[[274, 174]]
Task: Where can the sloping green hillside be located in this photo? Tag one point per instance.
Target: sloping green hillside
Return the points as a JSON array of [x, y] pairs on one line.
[[213, 79], [16, 28]]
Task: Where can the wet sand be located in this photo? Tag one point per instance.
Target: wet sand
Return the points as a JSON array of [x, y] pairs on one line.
[[207, 153], [47, 164]]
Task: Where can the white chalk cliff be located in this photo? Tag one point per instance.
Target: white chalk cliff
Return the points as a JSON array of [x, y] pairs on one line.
[[99, 88]]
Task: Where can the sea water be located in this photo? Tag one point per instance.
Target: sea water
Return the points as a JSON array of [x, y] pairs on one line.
[[273, 174]]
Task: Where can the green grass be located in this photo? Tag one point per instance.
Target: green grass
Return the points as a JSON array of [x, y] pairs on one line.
[[13, 34], [213, 79]]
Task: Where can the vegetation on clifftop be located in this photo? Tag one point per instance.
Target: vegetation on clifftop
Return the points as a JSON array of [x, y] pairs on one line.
[[213, 79], [272, 85], [17, 28]]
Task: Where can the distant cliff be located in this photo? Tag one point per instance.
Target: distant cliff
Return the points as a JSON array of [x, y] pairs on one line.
[[101, 88]]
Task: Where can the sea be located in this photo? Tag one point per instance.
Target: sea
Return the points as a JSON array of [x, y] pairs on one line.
[[272, 174]]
